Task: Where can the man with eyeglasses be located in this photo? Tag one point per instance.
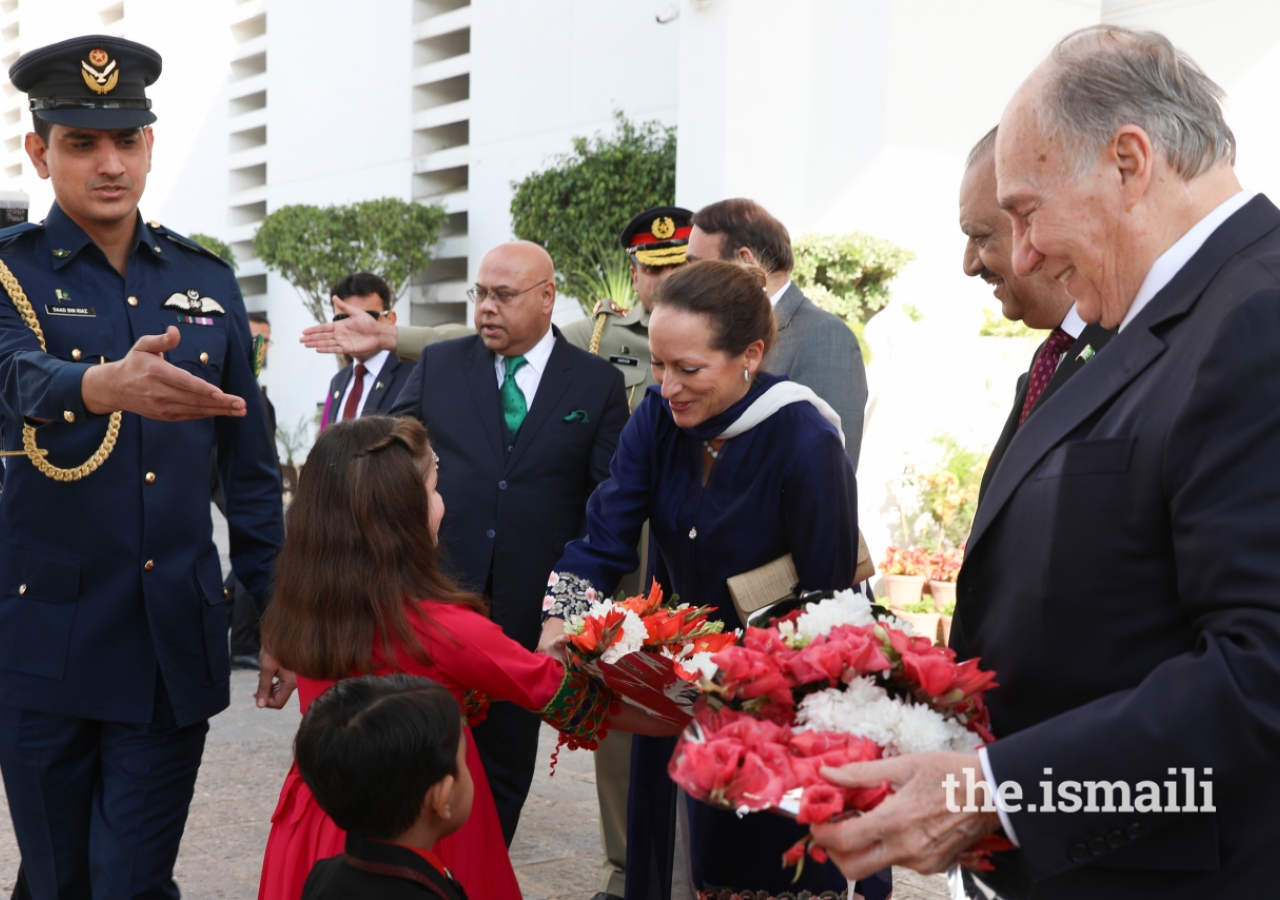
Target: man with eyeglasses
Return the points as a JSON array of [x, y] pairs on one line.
[[525, 425], [371, 382]]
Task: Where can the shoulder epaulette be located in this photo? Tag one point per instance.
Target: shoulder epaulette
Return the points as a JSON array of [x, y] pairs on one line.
[[608, 306], [21, 228], [187, 242]]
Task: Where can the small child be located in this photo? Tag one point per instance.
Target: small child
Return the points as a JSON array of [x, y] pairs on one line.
[[385, 757]]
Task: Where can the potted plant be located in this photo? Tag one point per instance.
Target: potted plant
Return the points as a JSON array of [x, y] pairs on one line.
[[944, 569], [905, 572]]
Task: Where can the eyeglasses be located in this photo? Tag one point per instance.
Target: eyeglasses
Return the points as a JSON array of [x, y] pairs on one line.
[[338, 317], [479, 294]]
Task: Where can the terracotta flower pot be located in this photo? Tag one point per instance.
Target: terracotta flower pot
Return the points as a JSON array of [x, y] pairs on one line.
[[944, 630], [903, 590], [924, 624], [943, 592]]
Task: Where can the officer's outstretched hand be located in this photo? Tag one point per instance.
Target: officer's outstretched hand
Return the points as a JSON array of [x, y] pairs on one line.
[[357, 335], [145, 384], [275, 685]]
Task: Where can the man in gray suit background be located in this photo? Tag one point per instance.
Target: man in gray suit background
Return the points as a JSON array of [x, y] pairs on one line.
[[814, 348]]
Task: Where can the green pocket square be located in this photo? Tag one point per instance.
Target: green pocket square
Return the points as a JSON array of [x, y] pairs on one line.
[[578, 415]]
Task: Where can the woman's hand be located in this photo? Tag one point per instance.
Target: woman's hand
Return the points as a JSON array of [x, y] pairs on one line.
[[637, 721], [553, 641]]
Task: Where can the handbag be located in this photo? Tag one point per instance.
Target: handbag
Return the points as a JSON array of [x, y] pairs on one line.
[[754, 590]]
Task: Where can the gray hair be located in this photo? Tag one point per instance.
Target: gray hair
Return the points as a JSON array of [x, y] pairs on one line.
[[1104, 77], [986, 144]]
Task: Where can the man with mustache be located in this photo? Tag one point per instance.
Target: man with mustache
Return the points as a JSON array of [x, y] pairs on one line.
[[126, 358], [1122, 577], [1036, 300]]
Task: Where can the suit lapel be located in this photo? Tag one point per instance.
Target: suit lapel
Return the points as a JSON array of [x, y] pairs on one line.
[[554, 382], [1094, 336], [483, 381], [381, 383], [1006, 433]]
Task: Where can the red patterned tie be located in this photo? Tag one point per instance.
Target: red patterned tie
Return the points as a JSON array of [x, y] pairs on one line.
[[1042, 370], [357, 391]]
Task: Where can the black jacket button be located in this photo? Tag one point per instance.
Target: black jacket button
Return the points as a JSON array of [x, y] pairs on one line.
[[1116, 839], [502, 485], [1097, 845], [1079, 853], [1133, 831]]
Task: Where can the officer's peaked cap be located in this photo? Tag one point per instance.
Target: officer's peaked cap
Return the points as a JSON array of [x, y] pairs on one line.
[[658, 236], [89, 82]]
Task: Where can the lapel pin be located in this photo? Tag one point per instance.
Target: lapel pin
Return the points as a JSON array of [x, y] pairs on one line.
[[378, 386], [1087, 353]]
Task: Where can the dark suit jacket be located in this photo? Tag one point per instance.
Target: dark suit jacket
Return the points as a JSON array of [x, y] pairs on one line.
[[387, 384], [374, 870], [1123, 580], [1094, 336], [816, 348], [511, 507]]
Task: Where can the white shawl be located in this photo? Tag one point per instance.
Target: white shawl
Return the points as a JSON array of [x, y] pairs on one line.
[[773, 399]]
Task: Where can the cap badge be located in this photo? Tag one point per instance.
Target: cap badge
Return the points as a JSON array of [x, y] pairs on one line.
[[100, 72], [662, 228], [191, 301]]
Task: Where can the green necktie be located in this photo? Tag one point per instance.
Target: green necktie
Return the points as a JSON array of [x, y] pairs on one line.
[[514, 408]]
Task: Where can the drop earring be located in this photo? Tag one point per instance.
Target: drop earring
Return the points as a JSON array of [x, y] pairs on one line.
[[746, 374]]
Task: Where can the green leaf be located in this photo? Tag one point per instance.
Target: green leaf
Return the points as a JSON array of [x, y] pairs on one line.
[[848, 274], [577, 206], [313, 246]]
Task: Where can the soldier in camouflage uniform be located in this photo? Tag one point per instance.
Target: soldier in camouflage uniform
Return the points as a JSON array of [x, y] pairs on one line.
[[655, 240]]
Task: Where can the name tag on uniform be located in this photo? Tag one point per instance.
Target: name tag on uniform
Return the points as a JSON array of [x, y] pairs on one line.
[[624, 360], [64, 309]]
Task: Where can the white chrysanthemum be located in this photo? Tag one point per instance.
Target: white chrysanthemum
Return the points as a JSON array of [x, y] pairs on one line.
[[702, 664], [600, 608], [845, 608], [632, 640], [864, 709]]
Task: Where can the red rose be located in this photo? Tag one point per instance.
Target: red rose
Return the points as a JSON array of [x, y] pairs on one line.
[[933, 673], [820, 803], [820, 661]]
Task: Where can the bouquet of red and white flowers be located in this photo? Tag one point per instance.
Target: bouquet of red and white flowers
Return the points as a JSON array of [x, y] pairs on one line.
[[652, 655], [831, 682]]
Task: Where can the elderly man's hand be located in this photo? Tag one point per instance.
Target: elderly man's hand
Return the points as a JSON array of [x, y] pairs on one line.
[[357, 335], [912, 827]]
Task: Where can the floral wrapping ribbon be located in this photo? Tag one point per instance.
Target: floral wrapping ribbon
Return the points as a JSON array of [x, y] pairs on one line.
[[580, 711], [475, 707], [568, 595]]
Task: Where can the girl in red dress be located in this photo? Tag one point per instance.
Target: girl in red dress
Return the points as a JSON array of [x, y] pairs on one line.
[[352, 588]]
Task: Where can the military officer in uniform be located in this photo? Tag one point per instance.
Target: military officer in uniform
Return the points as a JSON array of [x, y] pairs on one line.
[[125, 361], [655, 240]]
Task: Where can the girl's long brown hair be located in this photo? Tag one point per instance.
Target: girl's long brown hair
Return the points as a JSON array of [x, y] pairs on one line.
[[358, 550]]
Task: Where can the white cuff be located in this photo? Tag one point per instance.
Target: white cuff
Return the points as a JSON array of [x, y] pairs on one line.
[[995, 794]]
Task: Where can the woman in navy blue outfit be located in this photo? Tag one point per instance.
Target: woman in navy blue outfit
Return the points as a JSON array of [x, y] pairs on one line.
[[732, 467]]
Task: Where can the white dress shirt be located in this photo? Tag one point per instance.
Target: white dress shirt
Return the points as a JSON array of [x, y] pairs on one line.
[[1073, 325], [1172, 260], [773, 301], [373, 368], [528, 376]]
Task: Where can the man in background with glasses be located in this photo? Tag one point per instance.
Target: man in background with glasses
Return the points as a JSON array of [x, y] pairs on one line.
[[525, 425], [371, 381]]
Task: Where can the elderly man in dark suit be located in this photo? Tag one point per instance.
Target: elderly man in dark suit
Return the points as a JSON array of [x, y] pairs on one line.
[[814, 348], [525, 425], [1037, 300], [1122, 576]]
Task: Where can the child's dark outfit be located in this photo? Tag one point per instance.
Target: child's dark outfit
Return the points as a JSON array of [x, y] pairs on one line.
[[380, 871]]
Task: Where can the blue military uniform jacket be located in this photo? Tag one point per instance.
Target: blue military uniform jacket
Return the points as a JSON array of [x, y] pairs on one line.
[[111, 581]]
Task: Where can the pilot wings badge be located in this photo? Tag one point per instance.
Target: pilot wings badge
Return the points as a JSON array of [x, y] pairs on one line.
[[192, 302], [99, 72]]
